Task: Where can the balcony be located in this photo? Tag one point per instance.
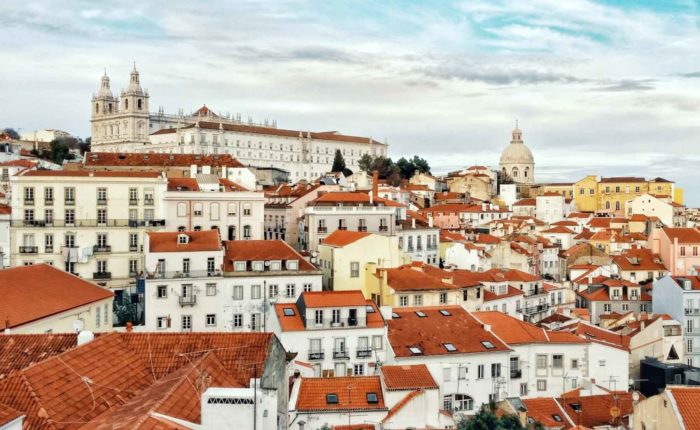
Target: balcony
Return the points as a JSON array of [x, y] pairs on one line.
[[184, 275], [133, 248], [516, 373], [101, 249], [341, 354], [132, 223], [362, 228], [383, 228], [133, 202], [28, 202], [148, 201], [689, 311], [48, 202], [190, 300], [342, 227], [322, 230], [101, 275], [28, 249], [534, 309], [69, 202], [48, 249], [101, 202], [364, 353], [315, 355]]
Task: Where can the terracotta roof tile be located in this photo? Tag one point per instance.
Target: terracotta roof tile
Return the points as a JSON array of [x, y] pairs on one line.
[[85, 173], [183, 184], [595, 410], [683, 235], [262, 250], [525, 202], [8, 414], [351, 394], [543, 411], [329, 299], [352, 197], [341, 238], [430, 333], [197, 241], [5, 209], [407, 377], [22, 350], [512, 292], [517, 332], [560, 229], [639, 259], [294, 321], [30, 293], [687, 401]]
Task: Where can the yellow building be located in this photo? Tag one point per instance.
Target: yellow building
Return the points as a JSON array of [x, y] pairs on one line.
[[611, 194], [349, 258], [565, 189]]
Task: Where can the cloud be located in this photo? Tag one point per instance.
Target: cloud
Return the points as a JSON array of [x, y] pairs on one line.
[[498, 75], [691, 75], [629, 85]]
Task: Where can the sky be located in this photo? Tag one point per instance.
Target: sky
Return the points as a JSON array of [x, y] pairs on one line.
[[598, 87]]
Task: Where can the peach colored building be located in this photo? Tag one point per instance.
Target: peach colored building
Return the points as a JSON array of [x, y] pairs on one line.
[[679, 249]]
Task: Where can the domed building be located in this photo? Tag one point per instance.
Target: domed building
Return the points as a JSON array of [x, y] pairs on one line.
[[517, 161]]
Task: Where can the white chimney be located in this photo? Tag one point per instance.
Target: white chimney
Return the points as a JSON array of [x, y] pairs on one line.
[[430, 222], [413, 223], [85, 337], [223, 406]]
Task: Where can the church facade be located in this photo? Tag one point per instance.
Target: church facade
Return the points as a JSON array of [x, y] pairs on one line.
[[125, 124]]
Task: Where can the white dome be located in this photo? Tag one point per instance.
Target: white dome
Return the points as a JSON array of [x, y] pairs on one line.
[[105, 90], [517, 152]]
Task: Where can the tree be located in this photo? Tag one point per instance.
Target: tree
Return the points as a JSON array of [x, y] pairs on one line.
[[339, 164], [421, 164], [365, 163], [485, 419], [12, 133], [60, 151]]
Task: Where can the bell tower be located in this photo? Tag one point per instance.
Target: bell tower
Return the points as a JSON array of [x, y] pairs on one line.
[[104, 109], [134, 111]]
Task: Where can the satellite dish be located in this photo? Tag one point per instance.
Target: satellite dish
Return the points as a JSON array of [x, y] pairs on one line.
[[615, 412], [635, 396]]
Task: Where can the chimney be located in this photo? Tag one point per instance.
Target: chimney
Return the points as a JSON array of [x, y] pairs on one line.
[[375, 186], [129, 326], [430, 222], [413, 223]]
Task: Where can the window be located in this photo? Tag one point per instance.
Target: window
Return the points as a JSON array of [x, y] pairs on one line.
[[291, 290], [445, 313], [487, 344], [288, 312], [418, 300], [449, 347], [359, 370], [101, 195], [377, 343], [495, 370], [185, 265], [273, 291], [523, 387], [601, 363], [246, 209], [420, 314], [255, 292], [162, 291], [446, 374], [97, 316], [308, 287], [237, 320], [480, 371], [574, 363], [443, 299], [197, 210], [211, 289], [403, 301], [162, 323], [187, 322], [415, 350], [541, 361], [214, 211], [29, 195], [69, 216], [335, 316], [332, 399], [557, 361], [541, 385], [318, 317], [211, 320], [238, 292], [354, 269]]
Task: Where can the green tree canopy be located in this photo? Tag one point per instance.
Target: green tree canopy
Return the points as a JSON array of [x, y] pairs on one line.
[[485, 419], [339, 164], [11, 132]]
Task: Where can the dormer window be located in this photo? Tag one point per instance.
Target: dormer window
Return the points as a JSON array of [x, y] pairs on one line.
[[182, 239], [258, 266], [292, 265], [275, 265], [239, 266], [332, 399]]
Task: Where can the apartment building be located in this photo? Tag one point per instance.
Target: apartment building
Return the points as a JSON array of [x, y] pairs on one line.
[[613, 295], [208, 202], [195, 284], [679, 249], [338, 333], [679, 297], [418, 238], [88, 223]]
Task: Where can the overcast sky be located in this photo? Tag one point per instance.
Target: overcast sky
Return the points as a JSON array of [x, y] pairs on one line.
[[606, 88]]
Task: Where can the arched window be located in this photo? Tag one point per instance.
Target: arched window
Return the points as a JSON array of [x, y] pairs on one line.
[[97, 108], [607, 205], [139, 104], [126, 104], [181, 229], [527, 169], [198, 228], [231, 232], [515, 172], [617, 206], [110, 107]]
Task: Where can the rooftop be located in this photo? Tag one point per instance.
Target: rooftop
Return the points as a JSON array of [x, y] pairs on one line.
[[30, 293], [517, 332], [262, 250], [341, 238], [407, 377], [152, 159], [340, 394], [188, 241]]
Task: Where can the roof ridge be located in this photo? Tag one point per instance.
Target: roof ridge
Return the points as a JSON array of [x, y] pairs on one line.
[[405, 400], [571, 422]]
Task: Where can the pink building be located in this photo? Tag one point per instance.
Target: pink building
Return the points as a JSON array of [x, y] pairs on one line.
[[679, 249]]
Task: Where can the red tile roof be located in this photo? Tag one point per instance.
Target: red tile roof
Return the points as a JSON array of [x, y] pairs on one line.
[[595, 410], [599, 335], [543, 410], [8, 414], [295, 323], [352, 197], [119, 377], [517, 332], [687, 400], [351, 394], [183, 184], [19, 163], [622, 179], [198, 241], [5, 209], [639, 259], [432, 332], [30, 293], [407, 377], [341, 238], [22, 350], [683, 235], [694, 281], [262, 250], [526, 202], [408, 398], [152, 159], [330, 299], [459, 208], [560, 229], [85, 173], [512, 292]]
